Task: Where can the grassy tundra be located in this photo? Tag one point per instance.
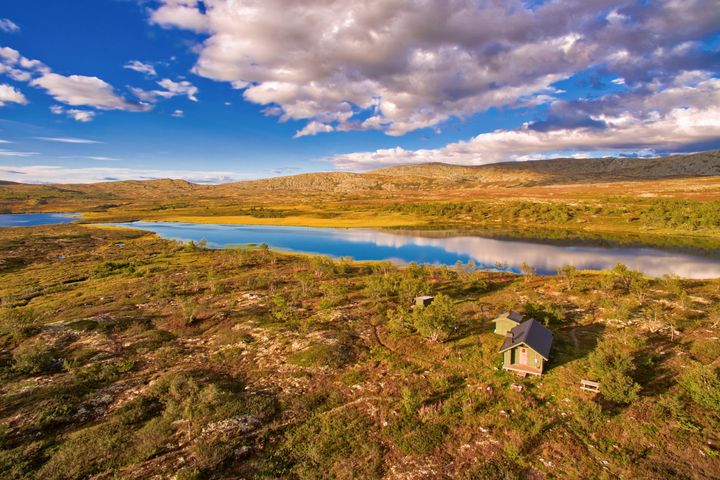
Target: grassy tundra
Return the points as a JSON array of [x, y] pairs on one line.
[[673, 200], [128, 356]]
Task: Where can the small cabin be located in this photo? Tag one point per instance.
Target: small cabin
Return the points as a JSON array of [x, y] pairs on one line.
[[505, 322], [526, 348], [424, 301]]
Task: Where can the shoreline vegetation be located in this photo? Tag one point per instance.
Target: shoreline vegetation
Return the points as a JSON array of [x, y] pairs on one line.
[[126, 355], [670, 201]]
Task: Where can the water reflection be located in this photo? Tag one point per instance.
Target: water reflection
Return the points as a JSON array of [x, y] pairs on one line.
[[363, 244], [35, 219]]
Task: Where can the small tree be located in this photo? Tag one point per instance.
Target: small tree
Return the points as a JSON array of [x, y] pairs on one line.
[[569, 273], [400, 322], [189, 308], [614, 368], [436, 321], [527, 270]]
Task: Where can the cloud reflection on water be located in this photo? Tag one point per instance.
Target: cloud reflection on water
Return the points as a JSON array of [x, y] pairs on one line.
[[364, 244], [549, 258]]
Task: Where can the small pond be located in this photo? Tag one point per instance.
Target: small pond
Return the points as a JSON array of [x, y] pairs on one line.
[[35, 219]]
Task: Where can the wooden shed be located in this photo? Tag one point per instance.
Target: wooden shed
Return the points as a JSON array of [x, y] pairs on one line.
[[424, 301], [508, 320], [527, 347]]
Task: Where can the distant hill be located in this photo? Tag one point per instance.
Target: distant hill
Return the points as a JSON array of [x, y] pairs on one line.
[[422, 177], [567, 170], [513, 174]]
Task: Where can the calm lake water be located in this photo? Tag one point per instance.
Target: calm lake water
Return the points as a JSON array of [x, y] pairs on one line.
[[487, 253], [35, 219]]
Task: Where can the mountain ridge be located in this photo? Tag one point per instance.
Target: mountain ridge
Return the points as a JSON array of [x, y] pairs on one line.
[[427, 176]]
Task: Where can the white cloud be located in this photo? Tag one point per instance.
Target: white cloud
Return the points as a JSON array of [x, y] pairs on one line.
[[79, 115], [313, 128], [670, 119], [177, 88], [83, 116], [74, 90], [144, 68], [178, 114], [79, 90], [10, 153], [62, 174], [9, 94], [402, 65], [67, 140], [170, 89], [8, 26], [180, 13]]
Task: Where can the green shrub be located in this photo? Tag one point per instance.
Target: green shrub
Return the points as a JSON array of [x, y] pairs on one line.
[[19, 323], [436, 321], [614, 366], [322, 355], [337, 444], [400, 321], [702, 383], [546, 313], [494, 470], [333, 295], [88, 451], [706, 351], [281, 309], [33, 358]]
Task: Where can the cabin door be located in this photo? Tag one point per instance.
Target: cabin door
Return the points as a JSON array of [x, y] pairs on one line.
[[523, 356]]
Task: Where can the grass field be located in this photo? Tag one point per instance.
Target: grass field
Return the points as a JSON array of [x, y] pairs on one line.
[[127, 356]]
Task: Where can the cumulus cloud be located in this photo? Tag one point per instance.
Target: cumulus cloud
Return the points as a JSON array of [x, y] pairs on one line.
[[667, 120], [74, 90], [144, 68], [9, 94], [83, 116], [402, 65], [178, 114], [8, 26], [177, 88], [181, 14], [17, 67], [62, 174], [170, 89], [80, 90]]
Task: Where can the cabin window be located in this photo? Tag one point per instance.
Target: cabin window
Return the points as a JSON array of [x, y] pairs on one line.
[[536, 360]]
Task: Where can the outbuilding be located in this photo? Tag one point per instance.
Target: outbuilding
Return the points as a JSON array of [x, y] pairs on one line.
[[508, 320], [424, 300]]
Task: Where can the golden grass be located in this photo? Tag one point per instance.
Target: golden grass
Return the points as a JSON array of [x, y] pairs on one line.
[[348, 220]]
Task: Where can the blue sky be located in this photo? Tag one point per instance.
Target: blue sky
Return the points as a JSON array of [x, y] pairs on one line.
[[223, 90]]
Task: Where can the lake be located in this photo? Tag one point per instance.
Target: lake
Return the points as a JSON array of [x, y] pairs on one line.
[[446, 249], [35, 219]]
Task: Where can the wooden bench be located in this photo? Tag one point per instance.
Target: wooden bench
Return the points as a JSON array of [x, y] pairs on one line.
[[589, 386]]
